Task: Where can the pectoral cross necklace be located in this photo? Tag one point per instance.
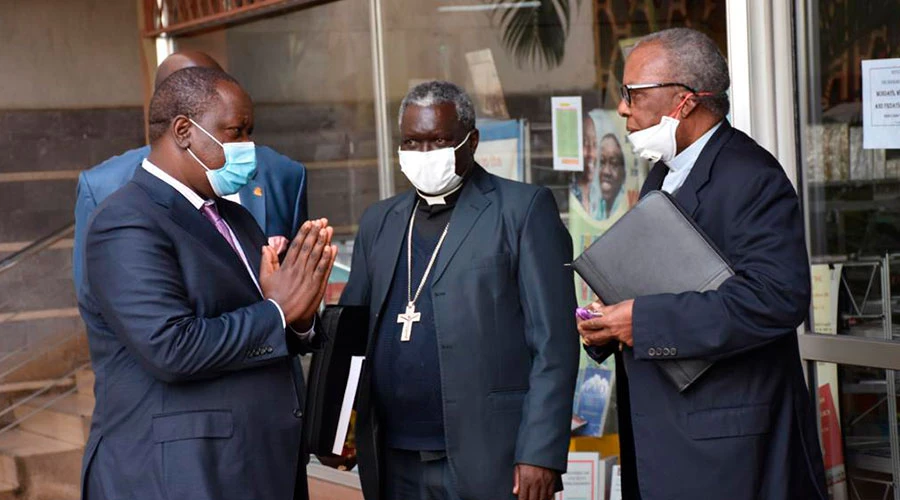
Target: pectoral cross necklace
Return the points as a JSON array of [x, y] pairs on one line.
[[411, 315]]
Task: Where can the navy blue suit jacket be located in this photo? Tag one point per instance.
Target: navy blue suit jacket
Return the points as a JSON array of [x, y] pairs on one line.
[[276, 196], [504, 313], [194, 385], [746, 430]]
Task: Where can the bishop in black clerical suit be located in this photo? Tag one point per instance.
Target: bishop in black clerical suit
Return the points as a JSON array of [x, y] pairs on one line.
[[473, 350]]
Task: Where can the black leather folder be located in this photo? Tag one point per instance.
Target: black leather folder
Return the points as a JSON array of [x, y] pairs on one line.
[[655, 248], [345, 330]]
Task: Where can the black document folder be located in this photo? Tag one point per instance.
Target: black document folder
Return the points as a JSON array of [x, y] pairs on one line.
[[655, 248], [345, 329]]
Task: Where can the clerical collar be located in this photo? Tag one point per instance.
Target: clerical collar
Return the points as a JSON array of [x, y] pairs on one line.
[[441, 199]]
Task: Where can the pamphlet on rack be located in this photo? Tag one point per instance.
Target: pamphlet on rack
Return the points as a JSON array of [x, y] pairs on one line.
[[592, 398], [826, 283], [615, 484], [587, 477]]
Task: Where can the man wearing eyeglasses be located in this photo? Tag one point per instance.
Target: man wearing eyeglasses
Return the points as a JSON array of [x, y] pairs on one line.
[[746, 429]]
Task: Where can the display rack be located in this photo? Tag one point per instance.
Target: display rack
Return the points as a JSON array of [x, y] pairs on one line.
[[871, 457]]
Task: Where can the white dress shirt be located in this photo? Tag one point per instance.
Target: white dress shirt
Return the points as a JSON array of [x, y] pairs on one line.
[[198, 202], [680, 166]]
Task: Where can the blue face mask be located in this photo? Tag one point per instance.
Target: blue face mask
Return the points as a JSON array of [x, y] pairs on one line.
[[240, 165]]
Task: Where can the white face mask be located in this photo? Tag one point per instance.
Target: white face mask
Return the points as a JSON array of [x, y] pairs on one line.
[[432, 172], [656, 143]]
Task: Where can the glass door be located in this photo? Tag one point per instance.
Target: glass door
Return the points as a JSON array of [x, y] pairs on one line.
[[851, 198]]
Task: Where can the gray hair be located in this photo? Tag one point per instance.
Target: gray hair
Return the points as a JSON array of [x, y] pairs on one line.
[[440, 92], [695, 61]]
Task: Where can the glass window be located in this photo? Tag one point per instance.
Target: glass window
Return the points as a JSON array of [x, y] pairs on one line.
[[856, 408], [512, 58], [851, 195], [309, 73]]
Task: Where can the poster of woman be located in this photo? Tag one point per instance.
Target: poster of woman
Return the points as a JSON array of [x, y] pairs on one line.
[[608, 187]]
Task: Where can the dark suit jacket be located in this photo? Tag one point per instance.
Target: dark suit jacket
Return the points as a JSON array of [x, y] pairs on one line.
[[503, 306], [194, 386], [747, 428], [276, 196]]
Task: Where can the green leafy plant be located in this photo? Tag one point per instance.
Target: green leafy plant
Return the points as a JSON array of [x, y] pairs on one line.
[[535, 31]]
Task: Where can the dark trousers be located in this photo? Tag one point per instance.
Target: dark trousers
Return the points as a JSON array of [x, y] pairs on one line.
[[627, 459], [418, 475]]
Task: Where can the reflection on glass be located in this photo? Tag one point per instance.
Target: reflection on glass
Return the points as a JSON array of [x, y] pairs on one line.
[[856, 415], [309, 73], [853, 193]]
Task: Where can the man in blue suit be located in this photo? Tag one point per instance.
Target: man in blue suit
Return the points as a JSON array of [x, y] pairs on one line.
[[746, 429], [192, 321], [472, 354], [275, 196]]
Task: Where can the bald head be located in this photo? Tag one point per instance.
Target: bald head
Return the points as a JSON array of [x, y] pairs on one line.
[[181, 60]]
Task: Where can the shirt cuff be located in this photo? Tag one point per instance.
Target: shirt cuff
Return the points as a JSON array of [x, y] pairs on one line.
[[307, 335]]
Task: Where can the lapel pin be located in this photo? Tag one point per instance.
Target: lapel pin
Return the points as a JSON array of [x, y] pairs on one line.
[[257, 191]]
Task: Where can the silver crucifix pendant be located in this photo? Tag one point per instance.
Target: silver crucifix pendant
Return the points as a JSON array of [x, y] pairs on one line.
[[407, 319]]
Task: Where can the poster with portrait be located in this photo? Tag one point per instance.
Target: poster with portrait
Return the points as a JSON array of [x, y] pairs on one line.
[[607, 187]]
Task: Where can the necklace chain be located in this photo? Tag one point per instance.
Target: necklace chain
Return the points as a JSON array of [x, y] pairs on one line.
[[409, 296]]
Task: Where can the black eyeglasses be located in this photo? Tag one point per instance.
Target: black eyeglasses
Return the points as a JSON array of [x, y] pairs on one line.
[[625, 90]]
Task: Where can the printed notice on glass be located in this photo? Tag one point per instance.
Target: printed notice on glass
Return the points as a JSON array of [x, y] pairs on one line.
[[567, 130], [584, 478], [881, 104]]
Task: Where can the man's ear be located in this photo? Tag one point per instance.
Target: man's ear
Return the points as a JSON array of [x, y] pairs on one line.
[[689, 106], [473, 141], [181, 130]]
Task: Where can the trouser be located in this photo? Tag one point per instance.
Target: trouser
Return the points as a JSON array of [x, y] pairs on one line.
[[418, 475]]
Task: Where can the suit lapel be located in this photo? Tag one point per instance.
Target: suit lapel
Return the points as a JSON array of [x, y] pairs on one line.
[[252, 247], [655, 178], [686, 196], [185, 215], [469, 207], [253, 198], [388, 246]]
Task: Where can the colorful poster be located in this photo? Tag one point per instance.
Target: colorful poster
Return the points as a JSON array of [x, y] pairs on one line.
[[608, 186], [832, 445], [567, 133]]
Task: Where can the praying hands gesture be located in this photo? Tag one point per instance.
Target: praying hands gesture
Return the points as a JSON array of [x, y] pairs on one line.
[[298, 284]]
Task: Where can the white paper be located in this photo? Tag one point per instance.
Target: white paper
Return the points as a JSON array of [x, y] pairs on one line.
[[826, 284], [881, 103], [584, 478], [340, 435], [568, 127], [500, 157], [615, 489]]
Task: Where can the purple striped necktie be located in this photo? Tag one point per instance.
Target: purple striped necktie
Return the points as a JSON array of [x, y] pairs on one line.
[[212, 213]]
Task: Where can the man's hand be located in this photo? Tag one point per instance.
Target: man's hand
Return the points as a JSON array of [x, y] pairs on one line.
[[298, 284], [278, 243], [534, 483], [613, 325]]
